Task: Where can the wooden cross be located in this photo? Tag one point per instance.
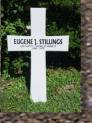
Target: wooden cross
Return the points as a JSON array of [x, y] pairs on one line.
[[38, 43]]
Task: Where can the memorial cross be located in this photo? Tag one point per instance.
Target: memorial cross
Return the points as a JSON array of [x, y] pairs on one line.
[[38, 43]]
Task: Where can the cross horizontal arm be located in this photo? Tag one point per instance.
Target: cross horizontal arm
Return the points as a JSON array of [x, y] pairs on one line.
[[29, 43]]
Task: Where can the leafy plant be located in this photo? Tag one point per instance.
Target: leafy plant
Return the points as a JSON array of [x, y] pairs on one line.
[[63, 18], [18, 64]]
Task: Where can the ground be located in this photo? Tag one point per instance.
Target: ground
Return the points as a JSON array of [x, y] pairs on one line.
[[63, 92]]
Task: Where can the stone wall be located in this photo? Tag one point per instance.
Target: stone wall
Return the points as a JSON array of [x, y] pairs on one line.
[[85, 116]]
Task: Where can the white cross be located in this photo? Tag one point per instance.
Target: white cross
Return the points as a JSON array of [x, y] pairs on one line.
[[38, 43]]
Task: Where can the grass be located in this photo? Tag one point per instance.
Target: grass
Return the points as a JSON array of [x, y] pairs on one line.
[[63, 91]]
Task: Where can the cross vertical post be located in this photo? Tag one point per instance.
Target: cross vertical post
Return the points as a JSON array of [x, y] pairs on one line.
[[38, 43], [38, 57]]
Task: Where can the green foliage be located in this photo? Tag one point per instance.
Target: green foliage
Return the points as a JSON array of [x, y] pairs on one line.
[[63, 17], [63, 85], [66, 2], [63, 90], [12, 28], [18, 64]]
